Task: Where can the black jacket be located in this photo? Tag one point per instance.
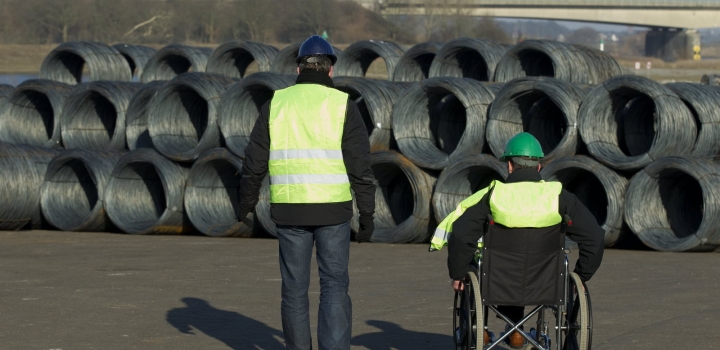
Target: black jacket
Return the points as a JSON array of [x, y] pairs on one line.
[[356, 155], [585, 231]]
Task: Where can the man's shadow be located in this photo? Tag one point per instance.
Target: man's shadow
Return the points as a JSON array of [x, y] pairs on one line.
[[233, 329], [395, 337]]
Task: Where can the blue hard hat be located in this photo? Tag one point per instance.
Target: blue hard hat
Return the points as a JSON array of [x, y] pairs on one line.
[[316, 45]]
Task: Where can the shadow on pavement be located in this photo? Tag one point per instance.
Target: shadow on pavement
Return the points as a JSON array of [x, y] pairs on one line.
[[395, 337], [233, 329]]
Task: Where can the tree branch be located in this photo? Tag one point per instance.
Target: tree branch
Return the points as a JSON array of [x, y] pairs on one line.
[[141, 25]]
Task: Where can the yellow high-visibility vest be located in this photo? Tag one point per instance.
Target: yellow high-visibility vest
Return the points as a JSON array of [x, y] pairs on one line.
[[514, 205], [306, 162]]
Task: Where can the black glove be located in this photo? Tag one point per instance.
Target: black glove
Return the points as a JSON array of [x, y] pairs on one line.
[[243, 217], [366, 229]]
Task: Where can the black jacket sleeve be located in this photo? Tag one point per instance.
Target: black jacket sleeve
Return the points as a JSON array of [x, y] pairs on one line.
[[255, 165], [356, 155], [586, 232], [463, 241]]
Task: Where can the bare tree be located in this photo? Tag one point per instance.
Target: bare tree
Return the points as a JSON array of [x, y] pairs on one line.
[[488, 28], [57, 16], [253, 18]]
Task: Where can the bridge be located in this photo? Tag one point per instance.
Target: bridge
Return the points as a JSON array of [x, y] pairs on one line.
[[674, 23], [691, 14]]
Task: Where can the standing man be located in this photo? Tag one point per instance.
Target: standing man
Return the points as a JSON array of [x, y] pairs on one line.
[[312, 141]]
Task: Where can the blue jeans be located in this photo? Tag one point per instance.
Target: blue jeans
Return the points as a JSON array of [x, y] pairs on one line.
[[333, 256]]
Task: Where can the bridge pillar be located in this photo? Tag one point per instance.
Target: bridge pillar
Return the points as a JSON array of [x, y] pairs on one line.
[[670, 44]]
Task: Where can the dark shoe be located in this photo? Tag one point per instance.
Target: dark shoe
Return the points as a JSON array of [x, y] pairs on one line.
[[516, 340]]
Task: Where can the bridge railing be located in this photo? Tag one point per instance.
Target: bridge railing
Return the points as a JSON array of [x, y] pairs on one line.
[[561, 3]]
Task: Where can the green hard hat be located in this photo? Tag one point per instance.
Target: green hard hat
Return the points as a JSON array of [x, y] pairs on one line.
[[522, 145]]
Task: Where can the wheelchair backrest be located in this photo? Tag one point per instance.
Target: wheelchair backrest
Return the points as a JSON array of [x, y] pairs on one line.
[[523, 266]]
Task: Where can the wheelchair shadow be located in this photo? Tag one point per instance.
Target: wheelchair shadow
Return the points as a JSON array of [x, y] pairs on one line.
[[233, 329], [394, 337]]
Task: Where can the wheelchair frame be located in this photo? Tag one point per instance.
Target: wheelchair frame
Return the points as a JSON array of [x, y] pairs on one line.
[[573, 318]]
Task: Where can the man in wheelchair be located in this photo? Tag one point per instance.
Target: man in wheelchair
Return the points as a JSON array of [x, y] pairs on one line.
[[506, 251]]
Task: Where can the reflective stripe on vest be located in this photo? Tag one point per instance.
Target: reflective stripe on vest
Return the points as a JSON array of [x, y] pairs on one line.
[[526, 204], [444, 229], [306, 163]]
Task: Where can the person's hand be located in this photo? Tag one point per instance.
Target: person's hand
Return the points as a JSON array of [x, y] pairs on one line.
[[243, 217], [367, 226], [458, 285]]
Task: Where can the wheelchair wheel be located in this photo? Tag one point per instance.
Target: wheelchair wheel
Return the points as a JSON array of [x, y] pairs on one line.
[[579, 317], [468, 316]]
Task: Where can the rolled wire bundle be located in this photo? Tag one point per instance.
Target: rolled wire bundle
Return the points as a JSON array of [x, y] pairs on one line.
[[73, 194], [240, 107], [542, 58], [545, 107], [31, 114], [67, 62], [355, 60], [629, 121], [710, 79], [285, 61], [136, 56], [441, 120], [468, 58], [673, 204], [182, 117], [597, 187], [601, 66], [93, 116], [703, 101], [22, 169], [375, 100], [262, 209], [136, 115], [415, 63], [403, 198], [233, 58], [211, 194], [173, 60], [463, 178], [144, 194]]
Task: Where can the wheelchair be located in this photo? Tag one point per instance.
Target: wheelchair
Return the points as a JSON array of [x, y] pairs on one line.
[[520, 268]]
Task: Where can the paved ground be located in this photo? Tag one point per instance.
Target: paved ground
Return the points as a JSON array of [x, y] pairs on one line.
[[62, 290]]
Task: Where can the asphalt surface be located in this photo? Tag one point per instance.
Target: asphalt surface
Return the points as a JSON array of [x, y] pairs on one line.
[[62, 290]]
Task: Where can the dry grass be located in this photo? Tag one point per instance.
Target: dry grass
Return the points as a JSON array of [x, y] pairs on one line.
[[23, 58]]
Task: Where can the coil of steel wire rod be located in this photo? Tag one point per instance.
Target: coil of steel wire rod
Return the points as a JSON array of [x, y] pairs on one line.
[[285, 61], [629, 121], [375, 100], [703, 101], [136, 56], [182, 117], [673, 204], [600, 189], [710, 79], [211, 195], [93, 116], [415, 63], [402, 200], [175, 59], [144, 194], [136, 115], [73, 192], [575, 64], [355, 60], [31, 114], [22, 169], [240, 107], [463, 178], [468, 58], [441, 120], [67, 62], [234, 58], [544, 107]]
